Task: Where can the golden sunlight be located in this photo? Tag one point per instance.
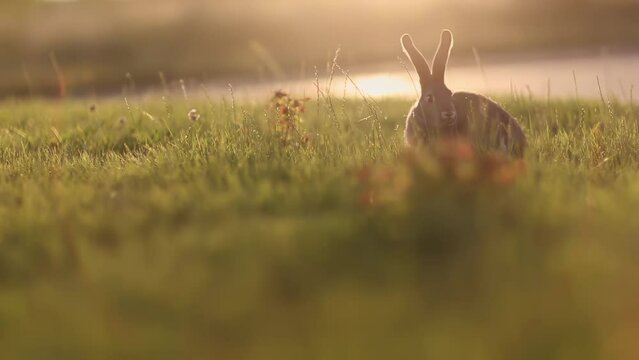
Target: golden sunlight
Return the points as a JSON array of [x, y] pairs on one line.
[[380, 85]]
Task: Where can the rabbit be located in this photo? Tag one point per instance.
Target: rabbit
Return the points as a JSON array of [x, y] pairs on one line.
[[441, 112]]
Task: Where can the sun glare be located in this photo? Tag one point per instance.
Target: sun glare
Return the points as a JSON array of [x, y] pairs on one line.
[[381, 85]]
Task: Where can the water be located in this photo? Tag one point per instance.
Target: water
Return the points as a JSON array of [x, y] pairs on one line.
[[612, 76]]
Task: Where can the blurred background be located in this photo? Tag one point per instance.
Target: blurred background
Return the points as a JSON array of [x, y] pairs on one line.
[[98, 46]]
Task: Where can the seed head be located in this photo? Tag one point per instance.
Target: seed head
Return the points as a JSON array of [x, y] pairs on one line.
[[194, 115], [279, 94]]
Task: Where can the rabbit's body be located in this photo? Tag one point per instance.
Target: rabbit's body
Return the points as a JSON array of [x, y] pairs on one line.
[[439, 112]]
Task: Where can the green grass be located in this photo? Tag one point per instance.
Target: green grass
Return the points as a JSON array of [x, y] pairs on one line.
[[129, 232]]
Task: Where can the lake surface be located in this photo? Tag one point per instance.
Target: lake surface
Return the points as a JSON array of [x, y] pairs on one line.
[[584, 76]]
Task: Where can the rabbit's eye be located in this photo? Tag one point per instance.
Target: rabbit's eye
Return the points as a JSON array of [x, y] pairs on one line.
[[430, 99]]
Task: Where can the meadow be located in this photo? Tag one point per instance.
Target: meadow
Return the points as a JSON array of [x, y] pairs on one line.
[[135, 229]]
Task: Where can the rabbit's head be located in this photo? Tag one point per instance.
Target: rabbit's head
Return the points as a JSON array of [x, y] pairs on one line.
[[435, 107]]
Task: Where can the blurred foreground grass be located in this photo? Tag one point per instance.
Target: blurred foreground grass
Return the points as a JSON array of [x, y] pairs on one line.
[[130, 232]]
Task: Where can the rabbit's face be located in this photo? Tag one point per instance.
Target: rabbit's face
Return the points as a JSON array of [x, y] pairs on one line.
[[436, 104], [435, 107]]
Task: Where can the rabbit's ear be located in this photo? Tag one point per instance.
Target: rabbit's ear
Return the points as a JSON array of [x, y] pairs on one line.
[[416, 57], [441, 56]]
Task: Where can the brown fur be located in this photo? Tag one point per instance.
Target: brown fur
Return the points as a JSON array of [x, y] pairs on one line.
[[439, 111]]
